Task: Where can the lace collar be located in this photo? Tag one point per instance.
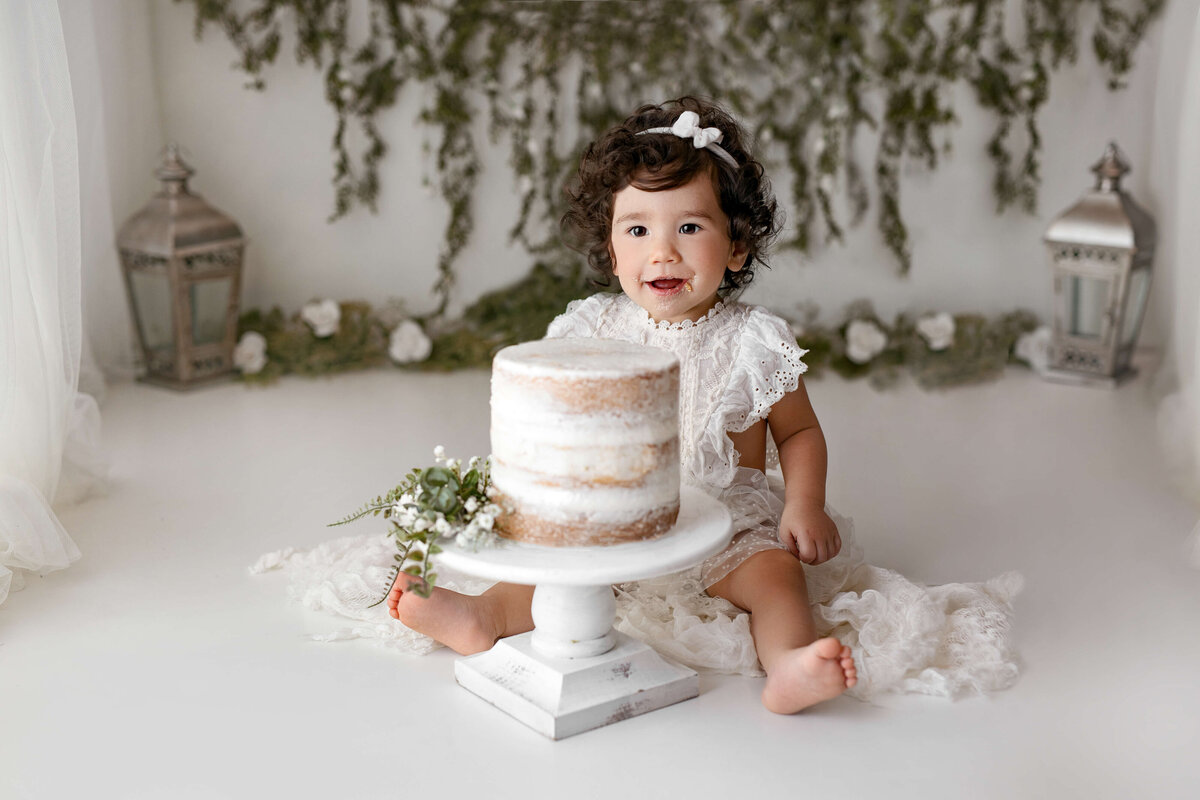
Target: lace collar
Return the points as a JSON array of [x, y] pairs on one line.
[[682, 325]]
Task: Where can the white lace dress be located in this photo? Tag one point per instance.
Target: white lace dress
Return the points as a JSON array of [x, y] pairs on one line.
[[735, 363]]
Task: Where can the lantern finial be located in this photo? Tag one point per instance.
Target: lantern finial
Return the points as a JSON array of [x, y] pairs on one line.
[[174, 172], [1110, 168]]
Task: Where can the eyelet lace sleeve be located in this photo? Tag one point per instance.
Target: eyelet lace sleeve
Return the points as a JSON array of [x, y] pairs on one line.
[[768, 366], [582, 317]]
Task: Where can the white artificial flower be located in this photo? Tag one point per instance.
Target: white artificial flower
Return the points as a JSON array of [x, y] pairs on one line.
[[471, 505], [492, 510], [344, 75], [323, 317], [408, 343], [485, 521], [937, 330], [250, 355], [442, 526], [439, 453], [473, 464], [826, 184], [864, 341], [347, 94], [454, 464], [422, 524], [1034, 348]]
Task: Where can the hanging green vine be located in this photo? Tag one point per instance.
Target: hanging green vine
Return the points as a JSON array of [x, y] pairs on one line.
[[807, 76]]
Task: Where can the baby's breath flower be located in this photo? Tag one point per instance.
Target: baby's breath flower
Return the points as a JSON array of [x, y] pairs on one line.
[[471, 505], [439, 454]]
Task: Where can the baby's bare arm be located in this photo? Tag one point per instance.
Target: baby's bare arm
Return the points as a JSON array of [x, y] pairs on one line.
[[804, 528]]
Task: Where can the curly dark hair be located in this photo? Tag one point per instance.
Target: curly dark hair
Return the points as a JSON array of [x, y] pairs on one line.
[[653, 163]]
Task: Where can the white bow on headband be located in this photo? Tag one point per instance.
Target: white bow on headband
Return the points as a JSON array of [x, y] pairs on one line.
[[688, 126]]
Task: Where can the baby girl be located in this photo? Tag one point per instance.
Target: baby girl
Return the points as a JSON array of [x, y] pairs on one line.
[[672, 204]]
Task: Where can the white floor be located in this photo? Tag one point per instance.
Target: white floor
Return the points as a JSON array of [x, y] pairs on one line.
[[157, 667]]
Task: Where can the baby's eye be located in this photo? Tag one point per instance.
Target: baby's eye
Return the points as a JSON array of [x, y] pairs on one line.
[[638, 230], [689, 227]]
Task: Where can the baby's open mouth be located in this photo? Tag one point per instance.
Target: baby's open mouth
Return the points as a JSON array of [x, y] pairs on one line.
[[666, 284]]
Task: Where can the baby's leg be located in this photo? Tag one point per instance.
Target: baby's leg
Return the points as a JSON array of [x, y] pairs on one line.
[[466, 624], [801, 669]]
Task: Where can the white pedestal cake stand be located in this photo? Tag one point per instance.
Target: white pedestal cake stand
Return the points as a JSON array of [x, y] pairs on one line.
[[573, 672]]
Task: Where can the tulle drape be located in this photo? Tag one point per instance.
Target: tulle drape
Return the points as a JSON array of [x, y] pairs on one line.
[[1178, 163], [40, 326]]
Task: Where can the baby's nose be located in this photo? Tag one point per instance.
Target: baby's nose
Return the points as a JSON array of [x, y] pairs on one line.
[[664, 250]]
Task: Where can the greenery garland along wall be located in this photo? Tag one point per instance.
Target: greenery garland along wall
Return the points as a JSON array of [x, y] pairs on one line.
[[807, 78]]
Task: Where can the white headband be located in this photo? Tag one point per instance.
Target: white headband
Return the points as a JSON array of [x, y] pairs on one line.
[[688, 126]]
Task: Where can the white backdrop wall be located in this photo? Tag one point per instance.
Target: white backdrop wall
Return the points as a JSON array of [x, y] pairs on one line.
[[265, 158]]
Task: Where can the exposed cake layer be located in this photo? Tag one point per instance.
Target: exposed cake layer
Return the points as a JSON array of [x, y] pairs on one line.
[[602, 502], [583, 461], [557, 531], [585, 441]]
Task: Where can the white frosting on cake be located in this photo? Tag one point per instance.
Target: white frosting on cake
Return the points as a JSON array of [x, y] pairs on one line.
[[586, 430], [597, 358]]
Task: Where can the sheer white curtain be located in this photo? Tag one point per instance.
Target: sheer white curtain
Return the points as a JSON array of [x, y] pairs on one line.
[[1178, 170], [42, 415]]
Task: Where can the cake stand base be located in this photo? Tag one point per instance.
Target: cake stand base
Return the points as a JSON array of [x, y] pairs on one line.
[[560, 697]]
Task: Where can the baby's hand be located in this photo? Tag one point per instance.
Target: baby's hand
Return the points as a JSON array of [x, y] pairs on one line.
[[808, 533]]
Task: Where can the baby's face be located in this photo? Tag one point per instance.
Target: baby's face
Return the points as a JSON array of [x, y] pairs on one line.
[[671, 248]]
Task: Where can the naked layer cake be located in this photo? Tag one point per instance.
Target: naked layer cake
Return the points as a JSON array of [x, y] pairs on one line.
[[585, 441]]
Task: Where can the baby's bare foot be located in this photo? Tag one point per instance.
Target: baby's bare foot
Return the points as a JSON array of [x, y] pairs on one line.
[[808, 675], [464, 623]]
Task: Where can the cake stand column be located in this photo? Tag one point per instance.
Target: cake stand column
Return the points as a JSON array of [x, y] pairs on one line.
[[573, 621], [573, 672]]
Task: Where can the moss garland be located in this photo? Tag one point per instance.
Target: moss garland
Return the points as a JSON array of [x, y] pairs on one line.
[[978, 350]]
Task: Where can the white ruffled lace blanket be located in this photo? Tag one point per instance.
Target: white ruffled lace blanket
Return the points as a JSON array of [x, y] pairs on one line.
[[950, 640]]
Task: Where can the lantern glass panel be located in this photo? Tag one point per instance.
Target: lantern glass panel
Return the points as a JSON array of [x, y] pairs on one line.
[[1139, 288], [1087, 304], [152, 307], [209, 301]]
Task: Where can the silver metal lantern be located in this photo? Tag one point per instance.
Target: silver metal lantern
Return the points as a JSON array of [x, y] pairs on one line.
[[182, 261], [1101, 251]]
